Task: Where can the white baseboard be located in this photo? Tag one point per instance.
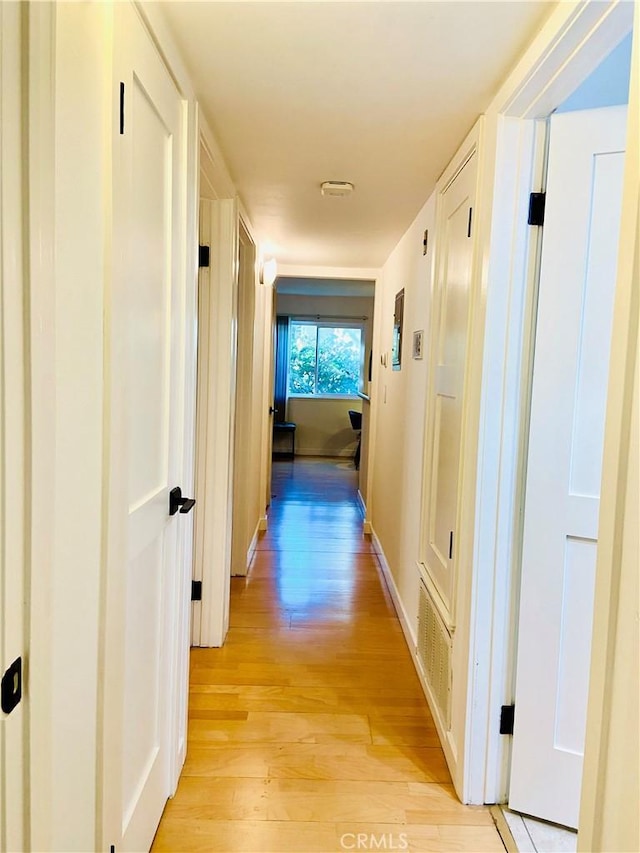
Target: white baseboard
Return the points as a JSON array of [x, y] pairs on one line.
[[411, 639], [250, 551], [410, 634], [322, 451], [254, 543]]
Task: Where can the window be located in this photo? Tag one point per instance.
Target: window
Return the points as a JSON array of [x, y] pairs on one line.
[[325, 358]]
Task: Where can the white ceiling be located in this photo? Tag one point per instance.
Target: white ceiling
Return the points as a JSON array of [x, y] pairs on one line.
[[377, 93]]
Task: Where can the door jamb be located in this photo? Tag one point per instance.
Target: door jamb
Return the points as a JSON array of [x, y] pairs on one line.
[[14, 424], [216, 419], [363, 274]]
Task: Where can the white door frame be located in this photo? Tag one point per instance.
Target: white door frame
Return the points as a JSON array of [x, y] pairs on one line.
[[608, 809], [569, 47], [221, 216], [14, 429], [182, 582], [42, 346], [268, 299], [217, 351], [361, 274]]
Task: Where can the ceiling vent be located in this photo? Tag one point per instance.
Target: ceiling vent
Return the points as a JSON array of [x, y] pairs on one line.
[[336, 188]]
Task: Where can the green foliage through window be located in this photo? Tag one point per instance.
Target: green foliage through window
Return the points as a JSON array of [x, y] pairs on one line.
[[324, 359]]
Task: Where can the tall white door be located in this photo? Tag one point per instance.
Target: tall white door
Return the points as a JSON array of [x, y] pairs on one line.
[[13, 447], [575, 310], [147, 396], [449, 346]]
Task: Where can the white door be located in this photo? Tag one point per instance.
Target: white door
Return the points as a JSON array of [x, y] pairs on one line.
[[449, 345], [13, 809], [147, 390], [575, 310]]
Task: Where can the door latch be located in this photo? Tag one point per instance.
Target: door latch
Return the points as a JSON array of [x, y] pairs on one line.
[[177, 502]]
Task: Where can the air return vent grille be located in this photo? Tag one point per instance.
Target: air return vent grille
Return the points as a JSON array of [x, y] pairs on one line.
[[434, 654]]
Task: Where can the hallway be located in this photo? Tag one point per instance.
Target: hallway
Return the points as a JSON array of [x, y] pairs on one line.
[[309, 730]]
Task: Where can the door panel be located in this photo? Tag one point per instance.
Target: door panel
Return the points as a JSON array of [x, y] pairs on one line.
[[575, 310], [150, 306], [450, 329], [148, 227]]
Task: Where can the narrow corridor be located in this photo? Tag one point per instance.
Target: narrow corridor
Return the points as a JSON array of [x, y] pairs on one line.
[[309, 730]]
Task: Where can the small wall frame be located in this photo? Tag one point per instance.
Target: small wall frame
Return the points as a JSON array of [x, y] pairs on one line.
[[418, 344], [398, 317]]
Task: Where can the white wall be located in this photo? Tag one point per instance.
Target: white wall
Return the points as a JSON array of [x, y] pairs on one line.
[[323, 427], [607, 86], [399, 403]]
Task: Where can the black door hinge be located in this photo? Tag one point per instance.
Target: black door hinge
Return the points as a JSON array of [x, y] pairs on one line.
[[203, 256], [536, 208], [11, 689], [451, 545], [196, 590], [507, 717], [112, 849], [121, 109], [469, 223]]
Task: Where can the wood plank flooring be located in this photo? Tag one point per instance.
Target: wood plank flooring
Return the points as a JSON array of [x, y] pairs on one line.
[[309, 730]]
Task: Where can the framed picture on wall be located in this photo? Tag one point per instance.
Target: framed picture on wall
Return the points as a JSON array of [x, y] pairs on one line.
[[398, 317]]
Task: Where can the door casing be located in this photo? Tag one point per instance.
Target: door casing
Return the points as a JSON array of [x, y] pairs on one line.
[[14, 430]]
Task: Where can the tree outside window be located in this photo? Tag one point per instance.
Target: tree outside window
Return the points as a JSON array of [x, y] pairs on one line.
[[324, 358]]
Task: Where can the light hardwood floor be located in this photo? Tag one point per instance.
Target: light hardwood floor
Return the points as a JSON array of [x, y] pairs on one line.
[[309, 730]]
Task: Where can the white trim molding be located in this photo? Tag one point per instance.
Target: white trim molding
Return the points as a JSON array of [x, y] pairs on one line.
[[609, 806], [41, 34], [408, 629], [216, 416]]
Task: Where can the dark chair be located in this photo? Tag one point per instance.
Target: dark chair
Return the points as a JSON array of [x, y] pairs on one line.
[[356, 425], [288, 428]]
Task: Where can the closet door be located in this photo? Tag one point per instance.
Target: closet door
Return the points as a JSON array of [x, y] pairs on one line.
[[449, 333]]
